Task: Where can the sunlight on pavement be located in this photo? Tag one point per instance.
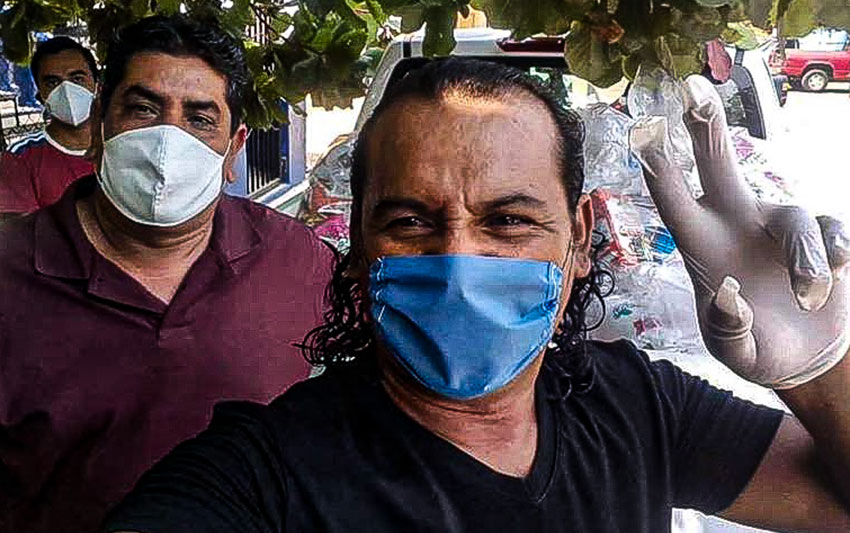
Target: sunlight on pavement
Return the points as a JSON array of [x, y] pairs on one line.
[[814, 150]]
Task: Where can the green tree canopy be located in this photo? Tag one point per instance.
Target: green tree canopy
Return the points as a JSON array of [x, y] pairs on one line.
[[326, 48]]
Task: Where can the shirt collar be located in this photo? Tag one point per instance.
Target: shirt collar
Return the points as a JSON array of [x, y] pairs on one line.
[[62, 249], [56, 144]]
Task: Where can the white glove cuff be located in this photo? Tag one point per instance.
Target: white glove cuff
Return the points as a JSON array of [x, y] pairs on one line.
[[822, 363]]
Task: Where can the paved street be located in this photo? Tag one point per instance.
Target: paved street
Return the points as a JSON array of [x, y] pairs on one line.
[[815, 148]]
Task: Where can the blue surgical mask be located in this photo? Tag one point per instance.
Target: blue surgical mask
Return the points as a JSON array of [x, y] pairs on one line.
[[464, 326]]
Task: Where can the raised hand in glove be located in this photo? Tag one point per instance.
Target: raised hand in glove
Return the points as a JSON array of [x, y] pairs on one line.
[[771, 302]]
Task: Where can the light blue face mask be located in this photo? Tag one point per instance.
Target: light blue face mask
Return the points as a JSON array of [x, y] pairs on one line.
[[464, 325]]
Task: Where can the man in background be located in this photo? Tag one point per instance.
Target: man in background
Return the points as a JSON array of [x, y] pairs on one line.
[[37, 169]]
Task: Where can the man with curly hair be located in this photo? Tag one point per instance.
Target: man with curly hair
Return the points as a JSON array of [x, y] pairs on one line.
[[460, 393]]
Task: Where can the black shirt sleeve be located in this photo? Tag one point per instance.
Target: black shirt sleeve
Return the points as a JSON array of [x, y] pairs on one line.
[[227, 479], [717, 440]]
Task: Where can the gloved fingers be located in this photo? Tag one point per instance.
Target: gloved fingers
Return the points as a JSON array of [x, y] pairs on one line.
[[702, 101], [649, 141], [805, 253], [837, 243], [728, 328], [714, 151]]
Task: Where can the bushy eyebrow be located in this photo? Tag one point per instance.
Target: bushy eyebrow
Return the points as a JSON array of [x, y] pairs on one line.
[[514, 200], [202, 105], [144, 92], [393, 203]]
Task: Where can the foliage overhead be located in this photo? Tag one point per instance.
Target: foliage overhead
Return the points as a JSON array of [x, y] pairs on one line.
[[328, 48]]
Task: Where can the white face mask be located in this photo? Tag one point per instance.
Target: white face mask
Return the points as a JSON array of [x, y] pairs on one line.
[[70, 103], [160, 176]]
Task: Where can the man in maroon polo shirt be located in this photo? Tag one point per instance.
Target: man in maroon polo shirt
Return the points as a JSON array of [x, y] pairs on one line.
[[37, 169], [144, 296]]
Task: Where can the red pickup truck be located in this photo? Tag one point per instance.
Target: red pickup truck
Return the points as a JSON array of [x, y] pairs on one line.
[[813, 70]]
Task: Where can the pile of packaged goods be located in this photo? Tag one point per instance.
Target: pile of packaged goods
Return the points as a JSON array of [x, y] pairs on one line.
[[653, 303], [327, 206]]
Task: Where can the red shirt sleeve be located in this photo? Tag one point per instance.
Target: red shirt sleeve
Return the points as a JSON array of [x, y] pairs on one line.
[[17, 193]]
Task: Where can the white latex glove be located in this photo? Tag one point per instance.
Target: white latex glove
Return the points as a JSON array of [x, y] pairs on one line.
[[771, 302]]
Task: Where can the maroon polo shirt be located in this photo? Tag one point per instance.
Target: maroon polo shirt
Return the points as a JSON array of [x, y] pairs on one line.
[[36, 171], [99, 379]]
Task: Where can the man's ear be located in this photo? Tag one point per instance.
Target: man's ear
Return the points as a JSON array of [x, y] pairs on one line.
[[237, 141], [95, 150], [583, 237]]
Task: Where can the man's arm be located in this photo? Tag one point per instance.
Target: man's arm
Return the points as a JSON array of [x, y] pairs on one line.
[[803, 483], [228, 479]]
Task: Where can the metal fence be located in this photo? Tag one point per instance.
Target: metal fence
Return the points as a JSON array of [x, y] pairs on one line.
[[266, 150], [266, 162], [16, 121]]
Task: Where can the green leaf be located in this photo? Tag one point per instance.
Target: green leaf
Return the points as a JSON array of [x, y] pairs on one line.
[[439, 31], [713, 3], [17, 43], [238, 17], [745, 36], [758, 11], [412, 18], [530, 17], [630, 65], [140, 8], [688, 55], [590, 58], [319, 7], [377, 11], [800, 19], [167, 7], [701, 24]]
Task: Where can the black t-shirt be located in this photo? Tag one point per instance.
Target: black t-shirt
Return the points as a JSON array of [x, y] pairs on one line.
[[335, 454]]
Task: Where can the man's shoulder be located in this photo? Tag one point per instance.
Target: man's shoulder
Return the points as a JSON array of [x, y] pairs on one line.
[[620, 356], [279, 232], [325, 409], [25, 145], [622, 372]]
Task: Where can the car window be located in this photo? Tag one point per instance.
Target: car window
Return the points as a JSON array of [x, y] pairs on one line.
[[741, 102]]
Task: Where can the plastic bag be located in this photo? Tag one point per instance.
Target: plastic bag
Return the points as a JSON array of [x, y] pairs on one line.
[[608, 161], [655, 93]]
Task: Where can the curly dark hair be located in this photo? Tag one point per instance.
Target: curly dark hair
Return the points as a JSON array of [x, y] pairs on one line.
[[347, 338], [180, 35]]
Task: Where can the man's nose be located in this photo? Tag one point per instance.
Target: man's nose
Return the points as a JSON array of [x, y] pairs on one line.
[[171, 116]]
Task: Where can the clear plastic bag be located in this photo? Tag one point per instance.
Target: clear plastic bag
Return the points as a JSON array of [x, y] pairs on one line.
[[655, 93], [608, 161]]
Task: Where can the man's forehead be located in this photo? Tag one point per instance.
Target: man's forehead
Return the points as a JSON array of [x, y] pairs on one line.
[[176, 77], [489, 147], [63, 61]]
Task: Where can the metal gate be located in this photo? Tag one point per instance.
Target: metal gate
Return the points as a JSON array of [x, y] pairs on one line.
[[267, 164]]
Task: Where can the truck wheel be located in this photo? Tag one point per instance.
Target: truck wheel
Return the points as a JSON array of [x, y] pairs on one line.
[[815, 80]]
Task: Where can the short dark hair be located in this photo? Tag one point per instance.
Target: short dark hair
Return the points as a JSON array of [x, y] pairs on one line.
[[347, 337], [179, 35], [57, 45]]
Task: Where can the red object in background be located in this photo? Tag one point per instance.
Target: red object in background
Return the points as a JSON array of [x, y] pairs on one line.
[[617, 226], [719, 61], [801, 64]]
